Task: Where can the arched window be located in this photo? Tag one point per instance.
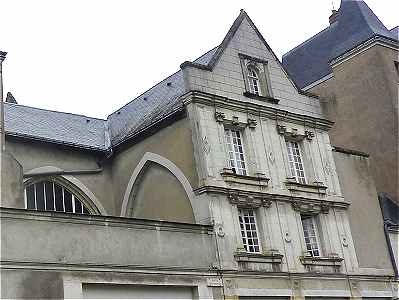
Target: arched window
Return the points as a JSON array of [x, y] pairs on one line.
[[253, 79], [49, 195]]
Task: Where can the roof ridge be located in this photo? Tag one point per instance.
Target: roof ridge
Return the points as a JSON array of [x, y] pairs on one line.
[[53, 111]]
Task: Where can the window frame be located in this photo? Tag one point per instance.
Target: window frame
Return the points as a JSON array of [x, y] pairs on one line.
[[244, 230], [298, 179], [316, 236], [76, 196], [231, 145], [254, 79], [264, 83]]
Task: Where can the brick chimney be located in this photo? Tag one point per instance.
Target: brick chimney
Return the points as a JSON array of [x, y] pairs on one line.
[[333, 17]]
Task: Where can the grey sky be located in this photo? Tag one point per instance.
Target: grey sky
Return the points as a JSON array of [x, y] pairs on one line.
[[93, 56]]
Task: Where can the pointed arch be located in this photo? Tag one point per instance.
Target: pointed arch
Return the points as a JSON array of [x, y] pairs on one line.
[[71, 183], [152, 157]]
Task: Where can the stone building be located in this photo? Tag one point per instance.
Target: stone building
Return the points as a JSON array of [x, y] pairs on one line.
[[353, 65], [218, 182]]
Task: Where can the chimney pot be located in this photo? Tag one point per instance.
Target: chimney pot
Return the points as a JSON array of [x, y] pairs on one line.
[[333, 17]]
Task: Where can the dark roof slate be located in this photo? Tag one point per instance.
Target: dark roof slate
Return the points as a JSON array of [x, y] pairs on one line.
[[355, 24], [56, 127], [390, 210]]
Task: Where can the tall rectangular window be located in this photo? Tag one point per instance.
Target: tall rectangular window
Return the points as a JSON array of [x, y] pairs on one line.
[[249, 233], [235, 150], [295, 161], [310, 234]]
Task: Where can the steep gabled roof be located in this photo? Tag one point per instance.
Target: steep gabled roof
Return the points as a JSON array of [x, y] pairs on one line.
[[355, 24]]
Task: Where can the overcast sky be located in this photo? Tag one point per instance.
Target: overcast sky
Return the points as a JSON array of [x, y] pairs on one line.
[[93, 56]]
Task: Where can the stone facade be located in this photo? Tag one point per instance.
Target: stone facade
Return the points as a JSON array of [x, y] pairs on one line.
[[168, 211]]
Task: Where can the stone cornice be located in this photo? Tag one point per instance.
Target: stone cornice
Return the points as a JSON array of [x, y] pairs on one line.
[[109, 221], [377, 39], [255, 109], [267, 198]]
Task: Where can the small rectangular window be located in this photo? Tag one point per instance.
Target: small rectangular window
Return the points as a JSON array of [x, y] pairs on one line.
[[310, 234], [235, 151], [295, 162], [249, 232]]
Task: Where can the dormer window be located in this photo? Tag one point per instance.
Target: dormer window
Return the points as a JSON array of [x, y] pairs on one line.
[[256, 78], [253, 79]]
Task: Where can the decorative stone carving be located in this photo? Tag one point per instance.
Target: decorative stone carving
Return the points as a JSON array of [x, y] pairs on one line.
[[281, 129], [344, 241], [248, 201], [287, 237], [219, 116], [310, 208], [309, 135], [252, 123], [294, 134], [205, 144], [219, 230], [235, 121]]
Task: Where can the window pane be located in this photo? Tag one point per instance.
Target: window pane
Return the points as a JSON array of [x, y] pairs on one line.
[[59, 206], [30, 197], [39, 195], [85, 211], [78, 206], [68, 201], [49, 189]]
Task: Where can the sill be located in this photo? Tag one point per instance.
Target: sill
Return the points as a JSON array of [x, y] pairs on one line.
[[316, 187], [263, 98], [230, 177], [334, 261], [270, 258]]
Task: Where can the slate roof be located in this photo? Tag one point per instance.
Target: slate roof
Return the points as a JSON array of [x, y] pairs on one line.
[[355, 24], [390, 210], [55, 127], [152, 106], [96, 134]]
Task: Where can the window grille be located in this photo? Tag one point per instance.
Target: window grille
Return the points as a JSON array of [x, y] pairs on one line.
[[235, 151], [310, 234], [51, 196], [249, 234], [253, 80], [295, 162]]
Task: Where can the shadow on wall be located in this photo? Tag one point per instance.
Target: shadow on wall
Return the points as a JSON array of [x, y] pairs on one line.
[[158, 195]]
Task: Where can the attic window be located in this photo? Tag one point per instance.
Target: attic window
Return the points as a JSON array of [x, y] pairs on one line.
[[253, 80], [256, 78]]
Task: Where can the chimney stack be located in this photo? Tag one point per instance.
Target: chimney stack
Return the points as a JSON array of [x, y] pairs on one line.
[[333, 17]]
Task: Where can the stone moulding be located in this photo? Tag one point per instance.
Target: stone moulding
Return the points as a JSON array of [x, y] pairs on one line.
[[293, 133], [235, 122], [332, 261], [271, 258], [315, 188], [218, 190], [230, 177], [255, 109], [248, 201], [262, 98], [310, 208]]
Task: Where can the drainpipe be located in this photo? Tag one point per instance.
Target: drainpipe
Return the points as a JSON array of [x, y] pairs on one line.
[[2, 132], [2, 138]]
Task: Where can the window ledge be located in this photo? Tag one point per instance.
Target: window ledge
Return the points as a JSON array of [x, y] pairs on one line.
[[316, 187], [271, 258], [333, 261], [229, 176], [263, 98]]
